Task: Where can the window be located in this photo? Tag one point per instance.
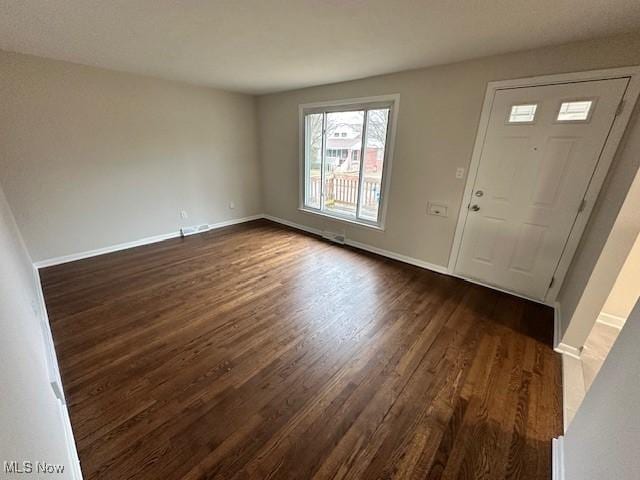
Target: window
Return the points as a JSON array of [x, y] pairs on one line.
[[522, 113], [337, 152], [577, 111], [339, 180]]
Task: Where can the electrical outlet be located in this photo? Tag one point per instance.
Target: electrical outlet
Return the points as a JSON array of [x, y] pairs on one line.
[[232, 205], [459, 172], [184, 214]]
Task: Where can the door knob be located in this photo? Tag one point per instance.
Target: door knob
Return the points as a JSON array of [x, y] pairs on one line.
[[474, 208], [479, 193]]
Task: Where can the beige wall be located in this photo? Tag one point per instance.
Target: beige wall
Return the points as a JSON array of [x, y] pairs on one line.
[[32, 427], [439, 112], [626, 290], [602, 440], [90, 158]]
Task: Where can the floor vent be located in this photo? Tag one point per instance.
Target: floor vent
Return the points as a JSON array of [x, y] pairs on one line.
[[335, 237], [186, 231]]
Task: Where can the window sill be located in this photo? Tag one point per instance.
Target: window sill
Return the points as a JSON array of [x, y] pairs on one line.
[[338, 218]]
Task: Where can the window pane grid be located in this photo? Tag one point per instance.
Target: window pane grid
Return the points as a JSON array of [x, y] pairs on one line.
[[574, 111], [523, 113]]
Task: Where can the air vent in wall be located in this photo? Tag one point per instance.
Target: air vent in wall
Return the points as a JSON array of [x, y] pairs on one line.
[[334, 237], [186, 231]]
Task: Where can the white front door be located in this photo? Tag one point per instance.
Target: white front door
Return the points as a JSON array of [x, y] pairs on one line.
[[539, 153]]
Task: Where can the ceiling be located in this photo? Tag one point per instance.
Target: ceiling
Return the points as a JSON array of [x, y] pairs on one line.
[[260, 46]]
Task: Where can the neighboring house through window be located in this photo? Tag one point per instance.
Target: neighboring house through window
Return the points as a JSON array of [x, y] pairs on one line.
[[346, 158]]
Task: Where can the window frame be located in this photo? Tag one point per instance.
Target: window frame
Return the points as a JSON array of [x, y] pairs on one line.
[[392, 102], [594, 103], [536, 103]]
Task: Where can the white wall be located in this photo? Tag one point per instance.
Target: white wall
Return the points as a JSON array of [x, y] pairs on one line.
[[438, 117], [626, 290], [91, 158], [609, 262], [602, 440], [32, 426]]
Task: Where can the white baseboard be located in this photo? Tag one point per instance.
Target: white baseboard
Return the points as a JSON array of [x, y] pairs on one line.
[[297, 226], [557, 458], [558, 346], [565, 349], [50, 262], [235, 221], [74, 460], [52, 360], [557, 325], [611, 320], [397, 256], [55, 380], [365, 247], [135, 243]]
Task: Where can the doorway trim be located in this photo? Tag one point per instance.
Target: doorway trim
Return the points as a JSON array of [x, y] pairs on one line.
[[602, 167]]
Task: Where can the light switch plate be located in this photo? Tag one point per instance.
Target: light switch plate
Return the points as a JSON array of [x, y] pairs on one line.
[[459, 172], [437, 209]]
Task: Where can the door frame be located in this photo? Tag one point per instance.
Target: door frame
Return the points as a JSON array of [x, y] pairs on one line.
[[602, 166]]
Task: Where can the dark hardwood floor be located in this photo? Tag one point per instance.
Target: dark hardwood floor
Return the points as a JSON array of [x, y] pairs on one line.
[[257, 351]]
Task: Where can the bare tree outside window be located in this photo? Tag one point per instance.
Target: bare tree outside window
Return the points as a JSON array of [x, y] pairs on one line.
[[377, 126]]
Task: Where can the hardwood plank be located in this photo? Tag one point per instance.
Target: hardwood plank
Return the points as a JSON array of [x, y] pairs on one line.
[[257, 351]]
